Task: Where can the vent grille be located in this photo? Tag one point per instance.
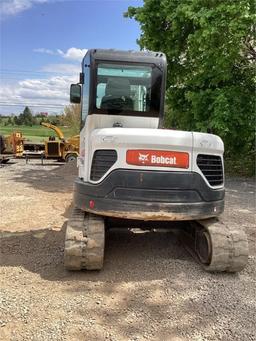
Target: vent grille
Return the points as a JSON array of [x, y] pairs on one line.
[[211, 167], [102, 161]]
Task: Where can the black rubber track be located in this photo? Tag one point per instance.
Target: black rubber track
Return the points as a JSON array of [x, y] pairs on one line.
[[228, 247], [84, 242]]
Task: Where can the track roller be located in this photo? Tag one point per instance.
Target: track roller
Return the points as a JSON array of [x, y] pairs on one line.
[[217, 247], [84, 242]]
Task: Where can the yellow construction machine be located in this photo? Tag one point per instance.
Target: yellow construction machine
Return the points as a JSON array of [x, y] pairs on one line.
[[12, 144], [62, 149]]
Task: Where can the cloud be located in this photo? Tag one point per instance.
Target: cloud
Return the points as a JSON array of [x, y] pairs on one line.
[[43, 50], [13, 7], [62, 68], [72, 53], [48, 94]]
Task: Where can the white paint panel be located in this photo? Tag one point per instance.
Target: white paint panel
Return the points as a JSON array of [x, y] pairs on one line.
[[207, 143], [93, 122], [141, 133], [122, 139]]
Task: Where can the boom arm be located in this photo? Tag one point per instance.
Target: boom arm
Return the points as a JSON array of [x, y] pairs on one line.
[[56, 129]]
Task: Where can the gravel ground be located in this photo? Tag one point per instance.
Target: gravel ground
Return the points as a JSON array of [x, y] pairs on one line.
[[150, 287]]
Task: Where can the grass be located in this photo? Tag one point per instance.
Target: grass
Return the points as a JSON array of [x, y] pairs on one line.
[[35, 133]]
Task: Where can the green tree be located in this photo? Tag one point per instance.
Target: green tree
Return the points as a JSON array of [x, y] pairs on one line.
[[10, 121], [210, 53], [71, 118], [16, 120], [27, 117]]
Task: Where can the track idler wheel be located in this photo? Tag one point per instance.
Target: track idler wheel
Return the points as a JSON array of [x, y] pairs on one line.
[[84, 241], [220, 248], [203, 246]]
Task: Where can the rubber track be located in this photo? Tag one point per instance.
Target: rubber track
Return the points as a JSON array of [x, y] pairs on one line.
[[229, 246], [84, 242]]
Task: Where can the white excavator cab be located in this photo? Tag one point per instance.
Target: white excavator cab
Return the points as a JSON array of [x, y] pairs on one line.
[[134, 172]]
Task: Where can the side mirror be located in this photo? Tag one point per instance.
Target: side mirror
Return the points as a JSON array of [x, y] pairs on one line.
[[75, 93]]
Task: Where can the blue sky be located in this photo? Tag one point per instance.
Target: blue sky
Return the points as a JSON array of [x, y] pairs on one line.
[[43, 42]]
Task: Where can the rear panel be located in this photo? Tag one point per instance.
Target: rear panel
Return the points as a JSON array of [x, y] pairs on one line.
[[151, 149]]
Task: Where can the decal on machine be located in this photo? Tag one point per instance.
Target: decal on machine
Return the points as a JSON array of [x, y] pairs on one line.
[[157, 158]]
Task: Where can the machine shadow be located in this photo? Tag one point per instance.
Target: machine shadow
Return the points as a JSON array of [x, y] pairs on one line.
[[126, 253], [41, 251], [59, 179]]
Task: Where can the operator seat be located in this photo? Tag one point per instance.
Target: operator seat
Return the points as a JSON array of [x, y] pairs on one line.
[[117, 95]]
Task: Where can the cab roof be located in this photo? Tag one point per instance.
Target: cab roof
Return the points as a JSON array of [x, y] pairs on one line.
[[127, 56]]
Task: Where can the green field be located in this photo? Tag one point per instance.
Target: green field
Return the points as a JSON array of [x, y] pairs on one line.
[[35, 133]]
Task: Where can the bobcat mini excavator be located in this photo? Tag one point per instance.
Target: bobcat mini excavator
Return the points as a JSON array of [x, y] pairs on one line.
[[134, 173]]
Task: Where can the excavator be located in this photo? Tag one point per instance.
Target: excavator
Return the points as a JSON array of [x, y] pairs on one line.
[[133, 173], [62, 149]]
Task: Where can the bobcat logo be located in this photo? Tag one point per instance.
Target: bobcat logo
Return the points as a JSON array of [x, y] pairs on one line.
[[143, 158]]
